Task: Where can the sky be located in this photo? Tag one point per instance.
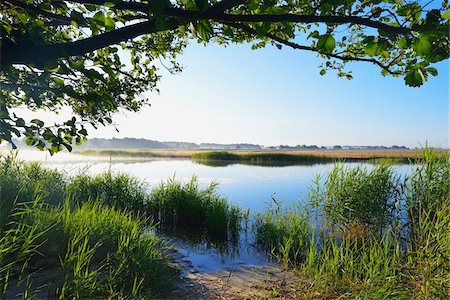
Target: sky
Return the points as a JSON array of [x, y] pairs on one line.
[[270, 97], [273, 97]]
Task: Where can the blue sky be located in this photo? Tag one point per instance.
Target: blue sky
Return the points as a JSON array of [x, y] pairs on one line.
[[272, 97]]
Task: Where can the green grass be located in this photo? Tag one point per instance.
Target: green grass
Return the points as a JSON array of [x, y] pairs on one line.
[[22, 182], [265, 159], [359, 197], [111, 188], [283, 232], [90, 250], [367, 235], [93, 236], [174, 204], [360, 248], [80, 237]]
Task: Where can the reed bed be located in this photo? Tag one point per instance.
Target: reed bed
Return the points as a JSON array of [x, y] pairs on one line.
[[187, 205], [135, 153], [110, 188], [89, 251], [260, 158], [369, 233], [93, 236], [366, 232]]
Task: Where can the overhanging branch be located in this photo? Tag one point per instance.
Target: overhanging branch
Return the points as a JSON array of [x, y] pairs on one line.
[[215, 13], [36, 54], [293, 45]]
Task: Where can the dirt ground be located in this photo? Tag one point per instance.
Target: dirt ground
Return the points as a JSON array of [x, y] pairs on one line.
[[242, 282]]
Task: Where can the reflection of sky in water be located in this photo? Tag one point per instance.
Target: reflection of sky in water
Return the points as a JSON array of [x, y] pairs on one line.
[[249, 186]]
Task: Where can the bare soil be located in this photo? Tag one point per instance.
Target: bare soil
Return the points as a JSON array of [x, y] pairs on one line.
[[241, 282]]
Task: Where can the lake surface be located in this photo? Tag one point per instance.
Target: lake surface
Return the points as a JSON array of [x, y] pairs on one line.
[[251, 187]]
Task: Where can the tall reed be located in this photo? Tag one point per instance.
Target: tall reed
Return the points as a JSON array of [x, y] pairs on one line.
[[175, 204], [360, 248], [111, 188], [92, 250]]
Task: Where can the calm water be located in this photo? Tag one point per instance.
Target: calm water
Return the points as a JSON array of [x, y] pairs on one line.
[[251, 187]]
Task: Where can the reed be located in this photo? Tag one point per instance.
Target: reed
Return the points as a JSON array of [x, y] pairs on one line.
[[22, 182], [91, 251], [358, 247], [359, 199], [284, 232], [111, 188], [174, 204], [260, 158]]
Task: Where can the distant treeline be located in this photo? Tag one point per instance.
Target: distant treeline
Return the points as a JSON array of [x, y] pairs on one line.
[[135, 143]]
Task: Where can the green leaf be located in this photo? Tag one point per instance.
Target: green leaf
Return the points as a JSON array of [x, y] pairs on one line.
[[414, 78], [371, 49], [110, 24], [432, 71], [99, 18], [326, 43], [422, 45], [446, 15], [403, 43], [37, 122], [262, 28], [204, 30], [190, 4], [58, 81], [29, 141], [323, 72], [20, 122]]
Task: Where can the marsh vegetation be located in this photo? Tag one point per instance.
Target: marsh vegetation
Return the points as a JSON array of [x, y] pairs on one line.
[[363, 231], [96, 236], [379, 235]]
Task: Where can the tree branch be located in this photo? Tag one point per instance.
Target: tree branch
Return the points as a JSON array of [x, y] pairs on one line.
[[41, 54], [307, 48], [306, 19], [216, 14]]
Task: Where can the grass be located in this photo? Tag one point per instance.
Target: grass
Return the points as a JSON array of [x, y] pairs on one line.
[[93, 236], [20, 182], [93, 245], [91, 251], [174, 204], [361, 248], [114, 189], [358, 198], [266, 159], [368, 234]]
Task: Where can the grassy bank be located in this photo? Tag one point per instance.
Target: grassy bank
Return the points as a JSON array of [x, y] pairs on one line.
[[94, 236], [378, 235], [52, 245], [366, 232]]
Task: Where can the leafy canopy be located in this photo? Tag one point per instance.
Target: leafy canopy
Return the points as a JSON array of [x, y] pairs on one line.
[[99, 56]]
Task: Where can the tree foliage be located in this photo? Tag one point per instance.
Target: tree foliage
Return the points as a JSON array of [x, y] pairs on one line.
[[99, 56]]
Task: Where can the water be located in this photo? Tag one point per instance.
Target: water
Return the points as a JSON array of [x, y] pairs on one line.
[[251, 187]]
